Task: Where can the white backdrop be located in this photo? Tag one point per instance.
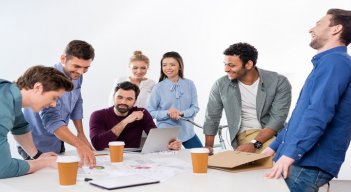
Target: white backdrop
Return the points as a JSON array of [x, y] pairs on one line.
[[36, 32]]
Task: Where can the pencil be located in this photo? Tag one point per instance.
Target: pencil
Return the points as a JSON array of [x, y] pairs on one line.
[[101, 154]]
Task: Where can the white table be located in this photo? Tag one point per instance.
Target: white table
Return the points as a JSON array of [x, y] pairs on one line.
[[213, 181]]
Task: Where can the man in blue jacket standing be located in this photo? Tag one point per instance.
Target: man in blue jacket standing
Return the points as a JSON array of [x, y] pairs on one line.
[[310, 150]]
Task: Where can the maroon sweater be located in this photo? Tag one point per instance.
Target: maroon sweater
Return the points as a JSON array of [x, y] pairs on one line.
[[102, 121]]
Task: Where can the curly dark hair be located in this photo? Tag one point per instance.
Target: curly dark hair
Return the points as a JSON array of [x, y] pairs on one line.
[[245, 51]]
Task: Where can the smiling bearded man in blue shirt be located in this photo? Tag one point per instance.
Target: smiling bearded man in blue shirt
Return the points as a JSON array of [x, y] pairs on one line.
[[312, 147], [50, 126]]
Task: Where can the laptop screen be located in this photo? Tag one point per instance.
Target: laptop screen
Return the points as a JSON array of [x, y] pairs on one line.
[[157, 140]]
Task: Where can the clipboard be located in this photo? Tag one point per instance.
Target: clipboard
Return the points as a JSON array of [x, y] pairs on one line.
[[119, 182], [236, 161]]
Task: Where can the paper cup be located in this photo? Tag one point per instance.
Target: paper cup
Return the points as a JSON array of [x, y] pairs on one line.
[[116, 151], [67, 169], [199, 157]]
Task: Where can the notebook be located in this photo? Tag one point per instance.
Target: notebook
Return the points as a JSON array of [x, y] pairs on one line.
[[157, 140], [119, 182]]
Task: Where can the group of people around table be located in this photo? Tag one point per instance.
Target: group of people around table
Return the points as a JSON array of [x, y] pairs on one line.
[[308, 150]]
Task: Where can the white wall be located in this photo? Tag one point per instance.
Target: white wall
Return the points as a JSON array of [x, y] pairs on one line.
[[36, 32]]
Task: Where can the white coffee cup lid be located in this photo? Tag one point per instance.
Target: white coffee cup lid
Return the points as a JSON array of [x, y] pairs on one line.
[[67, 159], [116, 143], [199, 150]]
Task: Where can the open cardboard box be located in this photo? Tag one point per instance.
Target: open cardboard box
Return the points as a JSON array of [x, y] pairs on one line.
[[236, 161]]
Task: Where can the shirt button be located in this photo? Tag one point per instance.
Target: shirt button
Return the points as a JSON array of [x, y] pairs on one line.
[[282, 142], [299, 155]]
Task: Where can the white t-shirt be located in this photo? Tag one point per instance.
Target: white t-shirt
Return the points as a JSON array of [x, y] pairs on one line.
[[248, 110], [145, 87]]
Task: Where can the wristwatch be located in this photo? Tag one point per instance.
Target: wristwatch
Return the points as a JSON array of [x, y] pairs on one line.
[[257, 144], [36, 156]]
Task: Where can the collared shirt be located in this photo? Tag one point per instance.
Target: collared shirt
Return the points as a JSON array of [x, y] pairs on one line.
[[272, 103], [45, 123], [102, 121], [11, 119], [319, 131], [182, 96]]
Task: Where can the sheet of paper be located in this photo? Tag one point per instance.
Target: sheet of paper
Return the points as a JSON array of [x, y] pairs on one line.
[[157, 167]]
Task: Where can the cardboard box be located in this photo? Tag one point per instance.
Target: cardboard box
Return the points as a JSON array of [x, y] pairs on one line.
[[236, 161]]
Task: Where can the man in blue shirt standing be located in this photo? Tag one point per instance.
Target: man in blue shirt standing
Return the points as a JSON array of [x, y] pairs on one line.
[[310, 150], [50, 126], [39, 87]]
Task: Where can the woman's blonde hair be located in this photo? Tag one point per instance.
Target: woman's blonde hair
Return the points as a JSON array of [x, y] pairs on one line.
[[138, 56]]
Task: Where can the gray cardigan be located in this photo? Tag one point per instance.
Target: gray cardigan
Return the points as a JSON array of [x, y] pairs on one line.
[[273, 103]]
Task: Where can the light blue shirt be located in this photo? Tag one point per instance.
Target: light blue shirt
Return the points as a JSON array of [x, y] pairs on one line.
[[11, 119], [45, 123], [182, 96]]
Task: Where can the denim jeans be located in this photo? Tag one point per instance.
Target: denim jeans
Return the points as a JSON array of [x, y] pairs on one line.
[[194, 142], [306, 179]]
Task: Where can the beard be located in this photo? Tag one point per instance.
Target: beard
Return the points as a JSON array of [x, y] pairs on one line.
[[317, 43], [125, 109], [238, 75]]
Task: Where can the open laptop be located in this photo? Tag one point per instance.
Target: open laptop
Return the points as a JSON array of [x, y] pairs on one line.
[[157, 140]]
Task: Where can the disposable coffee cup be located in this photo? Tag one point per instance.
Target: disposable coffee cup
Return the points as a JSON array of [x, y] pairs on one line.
[[67, 169], [199, 157], [116, 151]]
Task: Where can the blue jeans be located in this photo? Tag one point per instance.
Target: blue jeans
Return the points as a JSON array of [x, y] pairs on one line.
[[306, 179], [194, 142]]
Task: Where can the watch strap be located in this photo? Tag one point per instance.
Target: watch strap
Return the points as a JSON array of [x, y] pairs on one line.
[[36, 156], [257, 144]]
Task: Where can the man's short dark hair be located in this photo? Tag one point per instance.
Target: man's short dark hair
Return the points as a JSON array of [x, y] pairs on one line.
[[79, 49], [49, 77], [244, 51], [342, 17], [126, 85]]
